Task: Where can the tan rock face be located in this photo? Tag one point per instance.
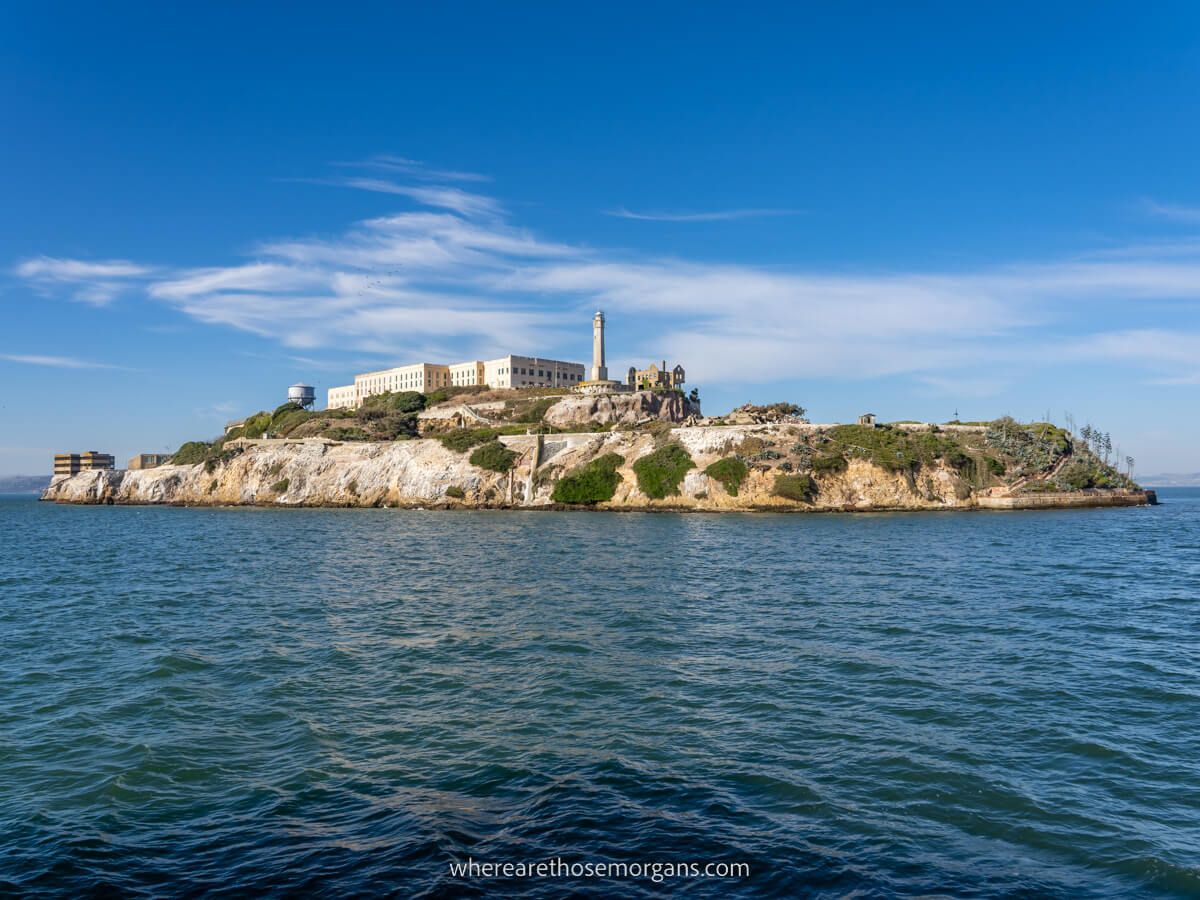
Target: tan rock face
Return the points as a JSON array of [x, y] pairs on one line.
[[620, 409], [420, 472]]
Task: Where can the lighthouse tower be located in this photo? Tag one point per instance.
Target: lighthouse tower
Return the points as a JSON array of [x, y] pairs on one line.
[[599, 369]]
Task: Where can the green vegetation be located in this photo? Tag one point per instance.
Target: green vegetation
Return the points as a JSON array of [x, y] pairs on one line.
[[900, 450], [829, 463], [595, 482], [801, 488], [463, 439], [1033, 448], [345, 434], [191, 453], [211, 455], [441, 395], [456, 493], [398, 401], [1087, 472], [536, 411], [493, 456], [891, 449], [281, 486], [660, 473], [729, 472]]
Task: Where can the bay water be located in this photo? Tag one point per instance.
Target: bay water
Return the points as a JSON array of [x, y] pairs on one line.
[[352, 702]]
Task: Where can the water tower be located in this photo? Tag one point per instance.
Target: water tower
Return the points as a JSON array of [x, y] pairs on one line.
[[302, 395]]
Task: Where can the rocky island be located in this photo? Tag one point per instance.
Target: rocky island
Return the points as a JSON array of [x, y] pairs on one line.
[[643, 450]]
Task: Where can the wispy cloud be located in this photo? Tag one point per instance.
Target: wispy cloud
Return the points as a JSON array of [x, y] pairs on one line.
[[717, 215], [1186, 214], [57, 362], [455, 199], [458, 279], [412, 168], [96, 282]]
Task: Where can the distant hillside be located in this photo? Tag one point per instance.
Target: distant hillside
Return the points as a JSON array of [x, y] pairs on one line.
[[23, 484], [1172, 479]]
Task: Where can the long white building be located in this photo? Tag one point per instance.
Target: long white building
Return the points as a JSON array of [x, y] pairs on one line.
[[505, 372]]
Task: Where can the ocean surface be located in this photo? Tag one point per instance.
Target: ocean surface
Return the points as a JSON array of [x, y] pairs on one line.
[[347, 702]]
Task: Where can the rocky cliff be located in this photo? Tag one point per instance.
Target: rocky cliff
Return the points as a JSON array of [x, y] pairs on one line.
[[421, 473], [635, 408]]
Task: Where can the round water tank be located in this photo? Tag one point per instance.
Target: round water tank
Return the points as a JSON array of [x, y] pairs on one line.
[[302, 394]]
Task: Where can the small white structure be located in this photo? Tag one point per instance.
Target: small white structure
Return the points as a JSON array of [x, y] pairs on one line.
[[302, 395], [867, 419]]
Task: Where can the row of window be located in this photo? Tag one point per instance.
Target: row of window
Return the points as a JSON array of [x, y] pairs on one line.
[[564, 376]]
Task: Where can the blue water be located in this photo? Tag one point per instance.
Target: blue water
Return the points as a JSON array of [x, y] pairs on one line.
[[343, 702]]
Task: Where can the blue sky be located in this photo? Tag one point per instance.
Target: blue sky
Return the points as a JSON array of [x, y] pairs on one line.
[[853, 206]]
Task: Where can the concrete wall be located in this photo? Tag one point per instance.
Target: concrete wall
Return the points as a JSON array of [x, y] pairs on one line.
[[1058, 500]]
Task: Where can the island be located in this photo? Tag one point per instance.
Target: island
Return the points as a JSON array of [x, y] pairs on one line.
[[556, 448]]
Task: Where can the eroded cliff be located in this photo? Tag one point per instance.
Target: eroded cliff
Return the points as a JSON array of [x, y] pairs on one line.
[[763, 467]]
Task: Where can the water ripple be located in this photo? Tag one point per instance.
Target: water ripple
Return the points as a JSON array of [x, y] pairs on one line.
[[342, 702]]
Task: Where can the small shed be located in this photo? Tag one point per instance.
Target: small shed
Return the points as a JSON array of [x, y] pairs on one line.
[[867, 419]]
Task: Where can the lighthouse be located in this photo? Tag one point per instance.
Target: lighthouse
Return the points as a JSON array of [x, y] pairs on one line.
[[599, 369]]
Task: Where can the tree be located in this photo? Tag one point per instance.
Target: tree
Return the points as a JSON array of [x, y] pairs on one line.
[[1129, 466]]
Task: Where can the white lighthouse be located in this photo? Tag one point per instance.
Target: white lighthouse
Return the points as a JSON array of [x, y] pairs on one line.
[[599, 369]]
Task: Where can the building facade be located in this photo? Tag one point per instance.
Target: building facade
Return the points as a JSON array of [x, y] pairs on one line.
[[655, 377], [149, 460], [72, 463], [505, 372], [467, 374], [531, 371]]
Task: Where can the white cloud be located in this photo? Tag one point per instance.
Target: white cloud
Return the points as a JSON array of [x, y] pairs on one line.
[[455, 199], [460, 280], [718, 215], [413, 168], [58, 362], [97, 282]]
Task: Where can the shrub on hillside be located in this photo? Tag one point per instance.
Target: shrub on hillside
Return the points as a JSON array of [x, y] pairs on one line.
[[595, 482], [958, 459], [345, 434], [281, 486], [659, 473], [801, 488], [256, 425], [729, 472], [493, 456], [456, 492], [829, 463], [394, 402], [463, 439], [191, 453], [288, 418], [395, 427], [536, 411]]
